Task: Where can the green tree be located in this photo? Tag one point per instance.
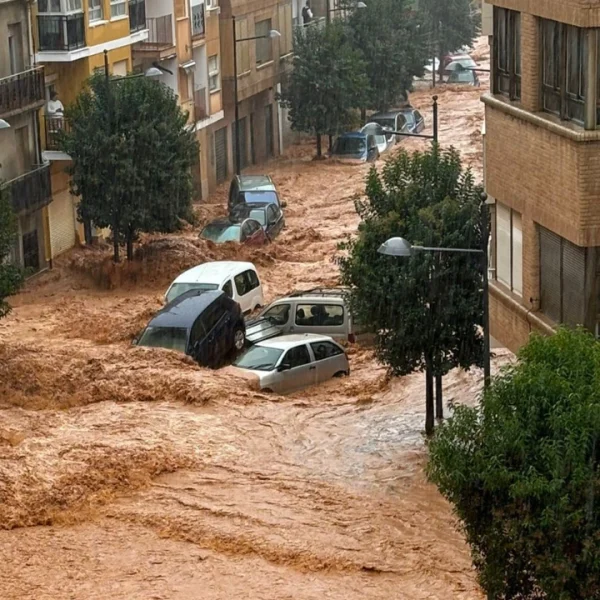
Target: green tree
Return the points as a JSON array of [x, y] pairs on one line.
[[522, 472], [427, 309], [328, 80], [132, 157], [452, 24], [394, 47], [11, 277]]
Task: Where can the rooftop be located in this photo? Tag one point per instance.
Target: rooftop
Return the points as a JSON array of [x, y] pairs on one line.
[[182, 311], [214, 272], [285, 342]]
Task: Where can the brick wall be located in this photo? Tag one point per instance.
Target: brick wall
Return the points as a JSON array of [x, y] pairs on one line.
[[582, 13], [530, 63]]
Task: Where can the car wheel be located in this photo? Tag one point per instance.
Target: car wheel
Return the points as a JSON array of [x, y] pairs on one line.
[[239, 339]]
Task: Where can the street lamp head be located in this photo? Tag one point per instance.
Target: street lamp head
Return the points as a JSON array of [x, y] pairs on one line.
[[396, 246], [4, 124], [273, 34], [153, 72]]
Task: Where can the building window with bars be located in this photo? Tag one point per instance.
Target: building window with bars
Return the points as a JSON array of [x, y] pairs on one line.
[[214, 83], [117, 8], [507, 53], [564, 56], [509, 248], [95, 12], [562, 279], [264, 44]]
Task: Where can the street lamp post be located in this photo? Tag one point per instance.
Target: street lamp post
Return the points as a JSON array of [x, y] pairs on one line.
[[273, 33], [332, 10], [399, 247]]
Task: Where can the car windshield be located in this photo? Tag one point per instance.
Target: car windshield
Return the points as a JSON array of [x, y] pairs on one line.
[[172, 338], [461, 77], [221, 233], [259, 358], [270, 197], [180, 288], [350, 145], [386, 123]]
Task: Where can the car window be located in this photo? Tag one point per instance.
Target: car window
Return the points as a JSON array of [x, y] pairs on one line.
[[253, 281], [253, 226], [272, 214], [319, 315], [265, 196], [198, 331], [180, 288], [323, 350], [259, 215], [210, 317], [228, 288], [278, 314], [241, 284], [172, 338], [410, 118], [418, 116], [296, 357]]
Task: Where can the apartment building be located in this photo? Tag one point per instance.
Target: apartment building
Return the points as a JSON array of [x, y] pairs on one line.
[[69, 39], [542, 168], [261, 63], [21, 168]]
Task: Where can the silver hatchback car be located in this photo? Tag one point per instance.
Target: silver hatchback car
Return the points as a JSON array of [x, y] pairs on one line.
[[288, 363]]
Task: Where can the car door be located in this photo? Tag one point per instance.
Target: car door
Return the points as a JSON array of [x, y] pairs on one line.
[[325, 318], [256, 234], [274, 220], [198, 342], [216, 343], [256, 293], [302, 372], [330, 359]]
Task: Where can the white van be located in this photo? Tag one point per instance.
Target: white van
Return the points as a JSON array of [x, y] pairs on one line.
[[239, 280]]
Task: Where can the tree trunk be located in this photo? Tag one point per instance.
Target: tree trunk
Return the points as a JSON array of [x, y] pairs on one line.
[[319, 151], [87, 231], [429, 399], [129, 243], [115, 232], [439, 399], [363, 115], [330, 143]]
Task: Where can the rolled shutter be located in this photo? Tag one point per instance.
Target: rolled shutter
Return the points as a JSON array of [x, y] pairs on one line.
[[550, 274], [573, 280]]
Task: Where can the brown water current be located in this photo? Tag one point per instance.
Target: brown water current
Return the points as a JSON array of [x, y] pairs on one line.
[[129, 473]]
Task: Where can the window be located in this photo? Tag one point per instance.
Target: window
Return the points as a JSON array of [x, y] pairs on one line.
[[120, 68], [214, 83], [273, 214], [562, 279], [509, 248], [320, 315], [564, 70], [278, 314], [253, 279], [264, 44], [241, 284], [243, 48], [95, 10], [507, 53], [117, 8], [210, 4], [296, 357], [15, 48], [323, 350], [228, 289], [49, 6]]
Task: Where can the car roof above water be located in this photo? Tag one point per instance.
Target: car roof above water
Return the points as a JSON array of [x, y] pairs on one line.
[[183, 311], [285, 342], [214, 272]]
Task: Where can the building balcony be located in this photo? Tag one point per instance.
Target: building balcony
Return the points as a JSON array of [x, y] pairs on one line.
[[23, 91], [61, 33], [160, 43], [198, 23], [137, 15], [53, 128], [32, 190]]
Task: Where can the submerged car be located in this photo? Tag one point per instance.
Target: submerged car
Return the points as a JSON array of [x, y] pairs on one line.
[[356, 146], [458, 62], [206, 325], [414, 119], [464, 77], [393, 120], [269, 216], [292, 362], [239, 280], [248, 231], [247, 189], [377, 131]]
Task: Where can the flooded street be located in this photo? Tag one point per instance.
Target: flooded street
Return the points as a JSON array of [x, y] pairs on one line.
[[129, 473]]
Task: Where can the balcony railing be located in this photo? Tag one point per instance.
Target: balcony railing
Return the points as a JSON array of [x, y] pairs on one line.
[[160, 33], [32, 190], [200, 105], [137, 15], [61, 32], [198, 20], [53, 128], [21, 90]]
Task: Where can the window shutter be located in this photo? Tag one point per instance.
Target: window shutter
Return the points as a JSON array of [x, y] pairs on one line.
[[573, 283], [503, 244], [550, 274]]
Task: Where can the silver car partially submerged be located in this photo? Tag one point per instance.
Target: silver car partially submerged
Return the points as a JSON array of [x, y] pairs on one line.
[[288, 363]]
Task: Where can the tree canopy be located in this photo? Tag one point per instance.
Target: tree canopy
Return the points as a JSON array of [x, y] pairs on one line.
[[328, 80], [522, 472], [426, 310], [131, 157], [394, 47], [11, 276]]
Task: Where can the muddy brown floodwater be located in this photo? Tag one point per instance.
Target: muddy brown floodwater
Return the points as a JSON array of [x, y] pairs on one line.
[[128, 473]]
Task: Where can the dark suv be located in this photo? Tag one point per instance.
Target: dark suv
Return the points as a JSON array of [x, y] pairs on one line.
[[206, 325], [246, 189]]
